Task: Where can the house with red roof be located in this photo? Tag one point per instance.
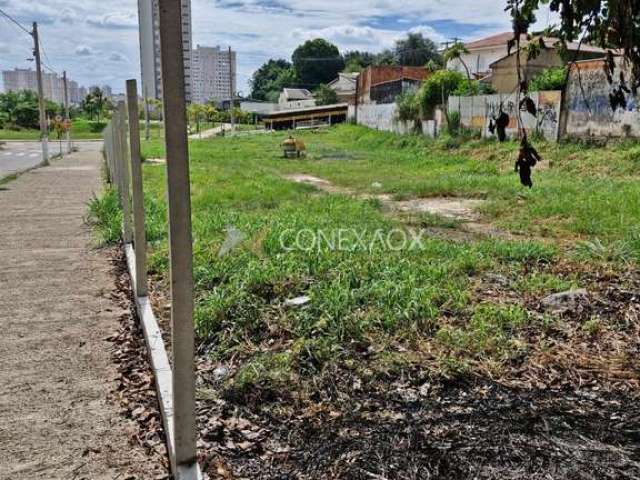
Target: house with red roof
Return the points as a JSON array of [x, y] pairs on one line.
[[482, 53]]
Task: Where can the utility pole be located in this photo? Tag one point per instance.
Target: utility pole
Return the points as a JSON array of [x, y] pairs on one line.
[[66, 110], [44, 127], [231, 90]]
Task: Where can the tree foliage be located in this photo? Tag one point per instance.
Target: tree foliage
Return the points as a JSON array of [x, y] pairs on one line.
[[613, 24], [95, 104], [408, 107], [356, 60], [325, 95], [455, 52], [268, 81], [21, 109], [416, 50], [550, 79], [436, 89], [317, 61]]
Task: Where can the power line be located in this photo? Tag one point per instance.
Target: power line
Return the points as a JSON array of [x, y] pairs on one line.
[[10, 18]]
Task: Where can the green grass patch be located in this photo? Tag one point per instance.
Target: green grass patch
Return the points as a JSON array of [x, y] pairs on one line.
[[364, 292]]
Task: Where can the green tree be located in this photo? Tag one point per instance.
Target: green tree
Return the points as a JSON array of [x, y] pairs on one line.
[[317, 61], [325, 95], [356, 61], [196, 112], [272, 77], [20, 109], [436, 89], [456, 52], [386, 57], [416, 50], [95, 103]]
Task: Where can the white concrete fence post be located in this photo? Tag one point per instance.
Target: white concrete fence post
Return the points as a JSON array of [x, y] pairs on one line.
[[139, 239], [123, 167], [184, 459]]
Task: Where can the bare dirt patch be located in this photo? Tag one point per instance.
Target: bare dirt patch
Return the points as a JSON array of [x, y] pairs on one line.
[[465, 209], [449, 207]]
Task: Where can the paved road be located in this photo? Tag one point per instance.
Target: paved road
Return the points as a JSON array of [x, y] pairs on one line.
[[57, 307], [19, 156]]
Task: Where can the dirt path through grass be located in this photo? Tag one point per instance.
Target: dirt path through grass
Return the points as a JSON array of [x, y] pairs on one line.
[[463, 212], [57, 310]]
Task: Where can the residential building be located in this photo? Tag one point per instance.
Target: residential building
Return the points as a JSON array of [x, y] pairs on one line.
[[482, 53], [383, 84], [345, 87], [258, 107], [213, 74], [19, 79], [27, 79], [306, 117], [504, 75], [295, 98], [149, 30]]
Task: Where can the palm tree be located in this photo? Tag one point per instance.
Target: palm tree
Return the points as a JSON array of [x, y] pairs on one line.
[[455, 52]]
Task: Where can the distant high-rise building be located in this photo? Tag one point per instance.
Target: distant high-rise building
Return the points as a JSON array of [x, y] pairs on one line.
[[74, 92], [151, 68], [107, 91], [213, 74], [27, 79]]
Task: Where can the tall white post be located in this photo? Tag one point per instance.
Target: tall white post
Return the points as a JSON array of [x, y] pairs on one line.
[[139, 239], [184, 460]]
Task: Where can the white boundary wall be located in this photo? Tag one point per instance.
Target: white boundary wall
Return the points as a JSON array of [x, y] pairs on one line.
[[476, 112]]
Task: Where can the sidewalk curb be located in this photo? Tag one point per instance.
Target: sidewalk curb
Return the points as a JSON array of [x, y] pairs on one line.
[[14, 175]]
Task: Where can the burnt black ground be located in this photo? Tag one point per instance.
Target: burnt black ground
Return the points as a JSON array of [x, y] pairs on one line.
[[413, 430]]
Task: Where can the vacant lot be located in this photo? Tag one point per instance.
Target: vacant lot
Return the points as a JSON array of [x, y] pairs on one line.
[[440, 357]]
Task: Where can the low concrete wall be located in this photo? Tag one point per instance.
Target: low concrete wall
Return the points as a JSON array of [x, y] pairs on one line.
[[477, 112], [589, 114], [383, 117]]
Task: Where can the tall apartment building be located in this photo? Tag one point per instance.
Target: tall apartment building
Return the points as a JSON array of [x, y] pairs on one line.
[[26, 79], [150, 66], [213, 74]]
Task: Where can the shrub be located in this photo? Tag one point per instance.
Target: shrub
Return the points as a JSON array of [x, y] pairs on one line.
[[549, 79], [408, 107], [97, 127], [453, 127], [436, 90]]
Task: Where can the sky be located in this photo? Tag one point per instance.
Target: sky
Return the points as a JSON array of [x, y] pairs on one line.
[[96, 41]]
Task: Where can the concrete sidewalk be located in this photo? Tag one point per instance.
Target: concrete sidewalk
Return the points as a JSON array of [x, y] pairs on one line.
[[212, 132], [56, 311]]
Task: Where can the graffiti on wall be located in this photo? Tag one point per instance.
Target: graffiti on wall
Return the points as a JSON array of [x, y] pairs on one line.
[[479, 112], [589, 110]]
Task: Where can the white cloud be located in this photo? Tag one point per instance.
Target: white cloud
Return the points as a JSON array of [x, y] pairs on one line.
[[257, 29], [84, 51], [115, 20], [117, 57]]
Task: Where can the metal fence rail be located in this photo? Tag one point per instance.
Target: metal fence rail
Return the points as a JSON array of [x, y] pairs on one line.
[[176, 394]]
